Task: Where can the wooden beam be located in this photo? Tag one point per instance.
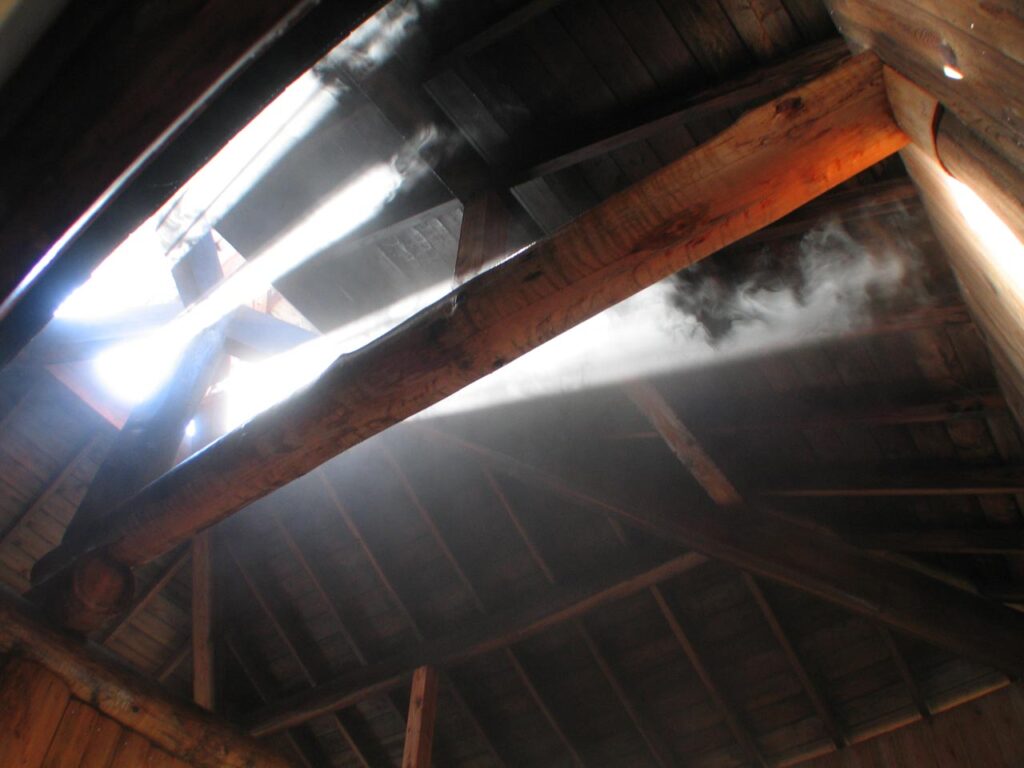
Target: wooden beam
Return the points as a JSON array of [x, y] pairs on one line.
[[153, 139], [972, 541], [419, 728], [175, 660], [818, 700], [303, 745], [289, 633], [812, 561], [483, 236], [538, 699], [655, 745], [739, 94], [486, 634], [40, 501], [769, 163], [500, 29], [145, 597], [773, 415], [916, 694], [725, 708], [684, 445], [136, 703], [955, 480], [204, 678]]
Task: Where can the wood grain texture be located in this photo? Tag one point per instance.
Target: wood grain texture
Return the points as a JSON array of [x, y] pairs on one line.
[[419, 728], [134, 703], [749, 176], [32, 703]]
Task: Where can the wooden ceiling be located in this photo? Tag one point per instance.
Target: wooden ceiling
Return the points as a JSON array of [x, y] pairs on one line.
[[502, 544]]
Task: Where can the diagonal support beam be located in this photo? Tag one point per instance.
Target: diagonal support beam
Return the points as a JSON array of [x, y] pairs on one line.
[[808, 560], [769, 163]]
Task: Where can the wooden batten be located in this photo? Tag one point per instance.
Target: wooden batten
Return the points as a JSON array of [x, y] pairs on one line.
[[419, 729], [769, 163], [45, 669]]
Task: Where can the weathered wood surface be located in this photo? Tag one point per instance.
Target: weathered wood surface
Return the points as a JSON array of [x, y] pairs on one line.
[[135, 703], [769, 163], [419, 728], [920, 38]]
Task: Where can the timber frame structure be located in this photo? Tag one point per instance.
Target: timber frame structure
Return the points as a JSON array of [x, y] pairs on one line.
[[788, 531]]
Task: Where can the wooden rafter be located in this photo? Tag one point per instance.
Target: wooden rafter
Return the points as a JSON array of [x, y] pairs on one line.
[[144, 598], [721, 192], [811, 688], [654, 743], [288, 632], [957, 480], [779, 550], [204, 679], [175, 660], [419, 729], [68, 470], [562, 603], [907, 675], [725, 708]]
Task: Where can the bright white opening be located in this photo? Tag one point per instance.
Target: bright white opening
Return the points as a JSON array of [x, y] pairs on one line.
[[952, 72]]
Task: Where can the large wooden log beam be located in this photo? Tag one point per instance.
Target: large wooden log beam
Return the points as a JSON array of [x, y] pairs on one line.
[[136, 703], [769, 163]]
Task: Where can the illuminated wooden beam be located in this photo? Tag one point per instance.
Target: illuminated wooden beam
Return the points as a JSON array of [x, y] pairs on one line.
[[769, 163]]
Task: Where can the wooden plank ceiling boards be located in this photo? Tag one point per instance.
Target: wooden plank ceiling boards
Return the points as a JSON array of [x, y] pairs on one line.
[[783, 532]]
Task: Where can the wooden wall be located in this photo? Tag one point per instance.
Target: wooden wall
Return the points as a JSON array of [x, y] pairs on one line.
[[970, 57], [43, 726], [987, 733]]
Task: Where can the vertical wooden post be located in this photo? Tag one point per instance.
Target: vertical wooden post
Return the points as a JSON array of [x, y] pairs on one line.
[[484, 234], [419, 729], [203, 678]]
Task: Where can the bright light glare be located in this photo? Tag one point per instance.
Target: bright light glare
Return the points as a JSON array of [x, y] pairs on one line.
[[254, 387], [135, 275], [220, 184], [191, 429], [353, 205], [1001, 247], [132, 372], [952, 72]]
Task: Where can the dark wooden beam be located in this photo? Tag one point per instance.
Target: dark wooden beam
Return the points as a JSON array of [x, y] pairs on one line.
[[483, 635], [144, 598], [26, 515], [204, 677], [775, 415], [289, 633], [684, 445], [483, 236], [154, 139], [725, 708], [500, 29], [916, 694], [811, 688], [175, 660], [806, 143], [811, 561], [869, 481], [972, 541], [739, 94], [655, 744], [419, 728], [302, 743]]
